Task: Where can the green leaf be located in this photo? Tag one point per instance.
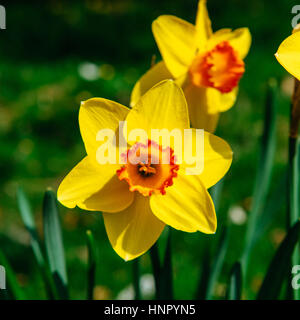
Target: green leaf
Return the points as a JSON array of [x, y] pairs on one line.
[[275, 202], [28, 220], [91, 264], [205, 272], [11, 281], [215, 192], [279, 267], [264, 171], [54, 244], [167, 270], [217, 264], [234, 290]]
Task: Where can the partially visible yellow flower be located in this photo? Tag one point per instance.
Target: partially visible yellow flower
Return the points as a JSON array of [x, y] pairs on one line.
[[138, 198], [288, 54], [207, 65]]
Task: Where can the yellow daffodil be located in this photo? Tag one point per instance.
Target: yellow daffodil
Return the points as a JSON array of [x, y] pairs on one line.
[[207, 65], [288, 54], [138, 198]]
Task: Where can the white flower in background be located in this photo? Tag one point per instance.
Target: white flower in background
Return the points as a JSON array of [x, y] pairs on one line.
[[88, 71], [237, 215]]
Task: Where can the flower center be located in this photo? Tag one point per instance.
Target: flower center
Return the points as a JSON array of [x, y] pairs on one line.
[[148, 168], [221, 68]]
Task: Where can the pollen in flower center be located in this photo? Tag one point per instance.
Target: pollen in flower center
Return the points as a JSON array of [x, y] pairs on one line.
[[149, 168], [145, 169], [220, 68]]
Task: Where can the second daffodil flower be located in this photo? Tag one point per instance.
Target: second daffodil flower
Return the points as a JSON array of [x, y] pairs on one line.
[[207, 65], [288, 55], [139, 198]]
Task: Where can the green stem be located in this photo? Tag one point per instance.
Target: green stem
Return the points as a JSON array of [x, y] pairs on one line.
[[217, 264], [163, 274], [293, 205], [293, 173], [205, 271], [234, 290], [167, 270], [154, 256], [136, 279], [91, 274], [263, 175]]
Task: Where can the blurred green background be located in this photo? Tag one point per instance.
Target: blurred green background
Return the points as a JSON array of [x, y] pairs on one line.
[[53, 55]]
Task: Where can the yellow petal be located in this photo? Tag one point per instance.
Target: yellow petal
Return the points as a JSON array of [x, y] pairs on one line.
[[186, 206], [176, 41], [218, 101], [96, 114], [239, 39], [217, 158], [153, 76], [162, 107], [133, 231], [203, 25], [113, 197], [198, 109], [83, 181], [288, 54]]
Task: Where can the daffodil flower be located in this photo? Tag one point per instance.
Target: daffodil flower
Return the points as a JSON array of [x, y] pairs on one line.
[[288, 54], [139, 198], [207, 65]]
